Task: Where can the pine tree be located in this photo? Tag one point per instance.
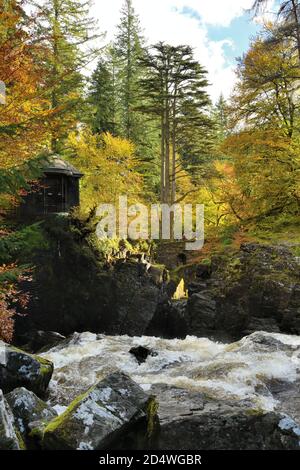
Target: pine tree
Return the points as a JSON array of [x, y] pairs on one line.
[[129, 46], [103, 97], [65, 29], [175, 87], [220, 117]]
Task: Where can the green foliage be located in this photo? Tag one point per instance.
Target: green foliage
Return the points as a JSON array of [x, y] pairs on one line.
[[174, 90], [128, 47], [20, 245], [283, 228], [103, 97], [66, 29], [227, 234]]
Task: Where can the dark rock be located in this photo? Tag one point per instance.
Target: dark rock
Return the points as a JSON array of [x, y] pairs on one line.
[[20, 369], [141, 353], [9, 437], [203, 271], [288, 396], [196, 287], [40, 341], [120, 301], [116, 413], [182, 258], [256, 288], [191, 421], [29, 411], [169, 320]]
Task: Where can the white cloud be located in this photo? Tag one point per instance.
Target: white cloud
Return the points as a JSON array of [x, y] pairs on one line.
[[163, 20]]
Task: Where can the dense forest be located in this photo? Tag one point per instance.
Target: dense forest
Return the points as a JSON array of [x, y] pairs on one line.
[[142, 124]]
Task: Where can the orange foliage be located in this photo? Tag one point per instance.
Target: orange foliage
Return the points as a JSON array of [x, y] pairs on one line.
[[24, 115], [10, 296]]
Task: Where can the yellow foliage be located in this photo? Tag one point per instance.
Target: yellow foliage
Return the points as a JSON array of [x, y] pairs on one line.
[[23, 126], [109, 166]]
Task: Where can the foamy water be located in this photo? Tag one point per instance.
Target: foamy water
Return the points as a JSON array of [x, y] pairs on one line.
[[239, 371]]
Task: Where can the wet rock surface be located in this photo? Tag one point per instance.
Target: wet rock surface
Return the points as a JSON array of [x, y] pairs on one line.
[[228, 429], [141, 353], [193, 421], [9, 439], [254, 289], [116, 413], [169, 320], [39, 341], [29, 411], [20, 369]]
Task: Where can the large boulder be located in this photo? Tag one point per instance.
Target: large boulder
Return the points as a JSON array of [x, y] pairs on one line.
[[79, 286], [36, 341], [191, 421], [116, 413], [29, 411], [255, 288], [9, 437], [122, 300], [20, 369], [135, 298], [169, 320]]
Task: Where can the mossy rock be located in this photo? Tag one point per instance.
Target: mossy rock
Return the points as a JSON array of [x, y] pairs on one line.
[[10, 438], [20, 369], [116, 413], [30, 412]]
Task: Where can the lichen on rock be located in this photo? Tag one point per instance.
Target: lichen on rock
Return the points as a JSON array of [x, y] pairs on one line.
[[20, 369], [113, 411]]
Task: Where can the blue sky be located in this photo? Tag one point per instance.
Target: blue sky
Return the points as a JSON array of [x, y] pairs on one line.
[[239, 31], [218, 30]]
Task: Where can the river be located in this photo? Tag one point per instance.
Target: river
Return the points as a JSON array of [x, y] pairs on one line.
[[241, 371]]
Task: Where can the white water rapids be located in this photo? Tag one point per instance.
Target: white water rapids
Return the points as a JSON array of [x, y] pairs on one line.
[[237, 371]]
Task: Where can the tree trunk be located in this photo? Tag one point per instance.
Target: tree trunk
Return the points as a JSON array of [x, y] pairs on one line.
[[167, 141], [173, 172], [296, 16], [162, 163], [55, 71]]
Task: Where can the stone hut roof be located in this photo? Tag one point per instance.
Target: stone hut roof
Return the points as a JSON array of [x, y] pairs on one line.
[[57, 165]]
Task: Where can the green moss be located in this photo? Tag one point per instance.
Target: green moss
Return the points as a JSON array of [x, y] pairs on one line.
[[56, 422], [45, 365], [37, 433], [158, 266], [255, 412], [152, 408], [20, 439]]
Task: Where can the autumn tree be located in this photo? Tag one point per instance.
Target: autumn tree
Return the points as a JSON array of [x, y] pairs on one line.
[[25, 114], [109, 166], [265, 93], [264, 144], [24, 123], [288, 25]]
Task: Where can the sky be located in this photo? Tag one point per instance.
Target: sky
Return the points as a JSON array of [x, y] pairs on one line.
[[218, 30]]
